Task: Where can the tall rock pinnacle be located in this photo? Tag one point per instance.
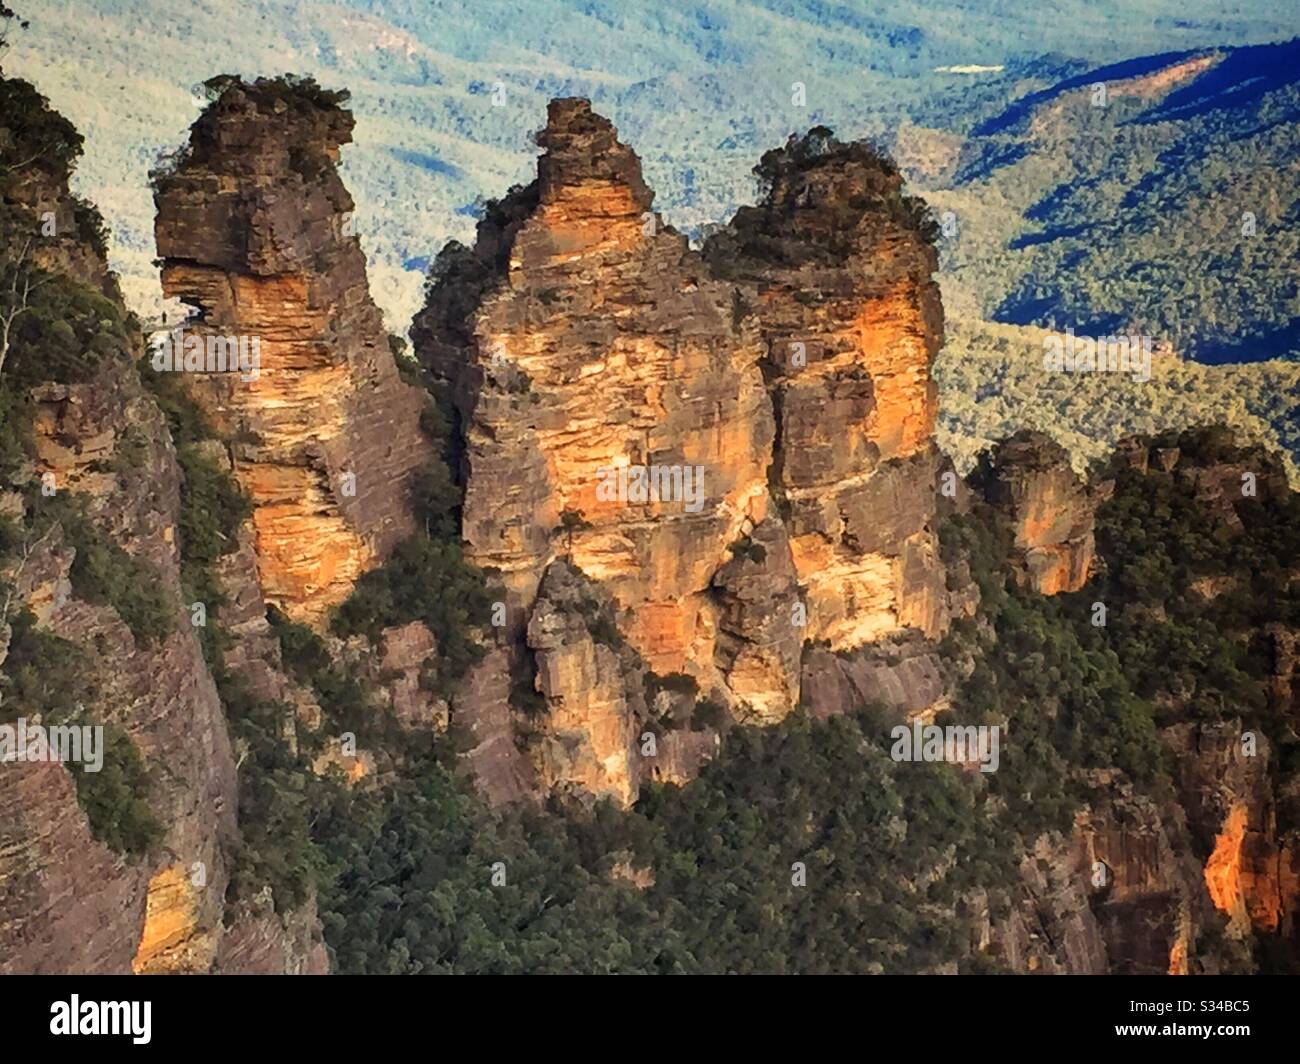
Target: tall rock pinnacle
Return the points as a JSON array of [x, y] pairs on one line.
[[836, 263], [254, 231]]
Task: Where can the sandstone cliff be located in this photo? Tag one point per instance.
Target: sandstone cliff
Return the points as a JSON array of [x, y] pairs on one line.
[[71, 903], [836, 265], [254, 231], [95, 502], [584, 345]]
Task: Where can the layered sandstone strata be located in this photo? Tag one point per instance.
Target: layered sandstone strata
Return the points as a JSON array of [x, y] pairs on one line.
[[583, 344], [254, 231], [588, 347], [68, 901], [836, 265]]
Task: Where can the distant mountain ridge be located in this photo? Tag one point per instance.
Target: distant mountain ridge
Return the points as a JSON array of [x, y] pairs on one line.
[[1156, 196], [708, 86]]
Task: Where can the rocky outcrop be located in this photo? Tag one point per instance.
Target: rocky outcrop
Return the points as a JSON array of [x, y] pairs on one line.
[[835, 268], [481, 712], [900, 673], [589, 348], [1227, 789], [101, 447], [260, 941], [1120, 893], [102, 462], [254, 231], [760, 642], [607, 384], [1051, 512], [160, 695], [590, 684], [613, 414]]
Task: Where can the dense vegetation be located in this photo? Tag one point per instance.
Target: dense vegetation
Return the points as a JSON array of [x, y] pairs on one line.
[[427, 577], [698, 878], [992, 383], [1192, 637], [1168, 214]]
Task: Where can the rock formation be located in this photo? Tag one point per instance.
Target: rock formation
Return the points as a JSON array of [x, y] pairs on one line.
[[254, 232], [101, 452], [835, 265], [1029, 480], [588, 352], [70, 903]]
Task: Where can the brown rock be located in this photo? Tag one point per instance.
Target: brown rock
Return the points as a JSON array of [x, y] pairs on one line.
[[252, 229], [1029, 480]]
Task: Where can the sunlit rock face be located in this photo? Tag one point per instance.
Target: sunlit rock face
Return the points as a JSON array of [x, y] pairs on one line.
[[582, 337], [583, 345], [1028, 478], [591, 694], [254, 231], [835, 265], [1240, 817]]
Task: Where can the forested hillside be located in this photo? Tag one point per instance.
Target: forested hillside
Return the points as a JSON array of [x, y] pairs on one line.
[[701, 89], [1157, 196]]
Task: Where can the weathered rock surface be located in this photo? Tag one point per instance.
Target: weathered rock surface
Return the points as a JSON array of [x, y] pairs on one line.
[[580, 337], [261, 941], [162, 696], [1051, 511], [253, 227], [591, 693], [759, 644], [901, 673], [67, 902], [835, 264], [1252, 870], [481, 709]]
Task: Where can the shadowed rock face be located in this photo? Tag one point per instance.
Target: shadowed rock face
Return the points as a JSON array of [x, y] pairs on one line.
[[1029, 480], [253, 227], [68, 903]]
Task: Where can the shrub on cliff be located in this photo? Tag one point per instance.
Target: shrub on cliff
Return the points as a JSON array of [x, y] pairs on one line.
[[52, 678], [116, 798], [67, 331], [36, 136], [213, 507], [424, 580]]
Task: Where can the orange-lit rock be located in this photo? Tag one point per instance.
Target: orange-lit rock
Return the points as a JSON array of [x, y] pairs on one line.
[[172, 940], [835, 268], [324, 435], [581, 336], [1029, 479], [589, 729]]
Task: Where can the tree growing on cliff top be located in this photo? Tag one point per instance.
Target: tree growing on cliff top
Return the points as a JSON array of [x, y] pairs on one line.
[[18, 280], [8, 18]]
